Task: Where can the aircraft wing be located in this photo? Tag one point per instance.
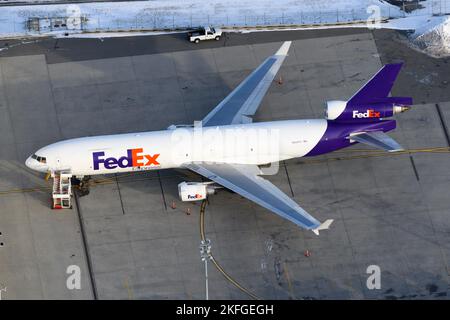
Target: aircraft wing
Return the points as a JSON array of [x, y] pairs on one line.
[[244, 180], [244, 100], [377, 139]]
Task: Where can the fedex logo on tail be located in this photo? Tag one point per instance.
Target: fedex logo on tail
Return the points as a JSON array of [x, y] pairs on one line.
[[134, 158], [368, 114]]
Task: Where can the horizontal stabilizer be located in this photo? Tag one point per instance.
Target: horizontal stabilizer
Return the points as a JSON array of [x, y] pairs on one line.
[[323, 226], [378, 139]]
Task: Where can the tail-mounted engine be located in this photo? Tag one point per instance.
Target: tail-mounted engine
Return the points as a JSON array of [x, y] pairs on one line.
[[195, 191], [372, 102], [344, 111]]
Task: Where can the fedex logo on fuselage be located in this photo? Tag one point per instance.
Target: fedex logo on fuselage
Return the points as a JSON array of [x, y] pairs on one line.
[[134, 158], [368, 114]]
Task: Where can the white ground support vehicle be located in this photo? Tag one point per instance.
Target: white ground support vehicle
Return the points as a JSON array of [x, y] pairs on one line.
[[205, 33]]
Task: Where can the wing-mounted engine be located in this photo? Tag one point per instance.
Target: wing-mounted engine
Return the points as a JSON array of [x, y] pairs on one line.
[[195, 191]]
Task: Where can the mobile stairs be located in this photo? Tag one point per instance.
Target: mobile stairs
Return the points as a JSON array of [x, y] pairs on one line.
[[62, 190]]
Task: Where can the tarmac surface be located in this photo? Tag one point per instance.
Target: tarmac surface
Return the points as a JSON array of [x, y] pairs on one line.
[[389, 210], [75, 49]]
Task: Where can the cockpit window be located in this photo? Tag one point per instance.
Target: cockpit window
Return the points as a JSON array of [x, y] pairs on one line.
[[40, 159]]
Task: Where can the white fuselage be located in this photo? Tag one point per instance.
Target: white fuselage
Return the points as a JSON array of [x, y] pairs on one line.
[[253, 143]]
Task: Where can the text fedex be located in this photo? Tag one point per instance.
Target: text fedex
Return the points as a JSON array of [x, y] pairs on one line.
[[134, 158], [368, 114]]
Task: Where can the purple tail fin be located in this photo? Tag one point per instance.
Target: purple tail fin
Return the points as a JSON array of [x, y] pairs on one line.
[[379, 87], [372, 102]]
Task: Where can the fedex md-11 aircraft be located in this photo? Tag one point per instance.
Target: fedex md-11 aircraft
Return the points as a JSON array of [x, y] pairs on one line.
[[361, 119]]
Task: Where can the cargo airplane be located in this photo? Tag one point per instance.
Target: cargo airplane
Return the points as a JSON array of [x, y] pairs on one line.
[[361, 119]]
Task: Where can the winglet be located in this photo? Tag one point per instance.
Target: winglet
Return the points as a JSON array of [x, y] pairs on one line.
[[323, 226], [284, 49]]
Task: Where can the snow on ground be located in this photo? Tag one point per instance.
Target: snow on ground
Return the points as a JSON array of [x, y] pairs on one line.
[[114, 19], [430, 27], [170, 14], [435, 40], [429, 7]]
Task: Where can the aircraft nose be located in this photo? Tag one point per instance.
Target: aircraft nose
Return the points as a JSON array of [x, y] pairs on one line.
[[33, 164], [29, 163]]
